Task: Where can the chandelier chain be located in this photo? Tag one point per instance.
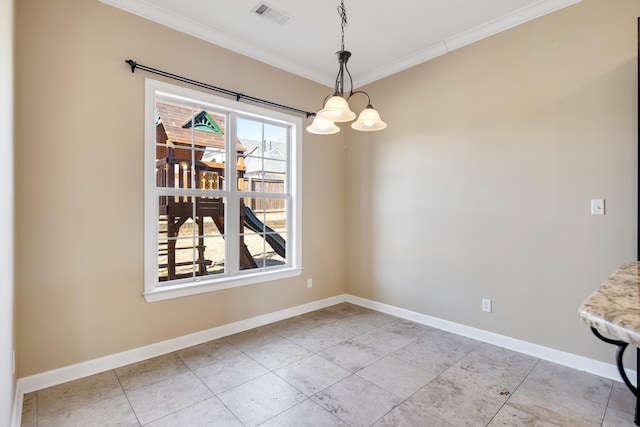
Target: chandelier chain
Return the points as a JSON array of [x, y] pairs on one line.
[[342, 11]]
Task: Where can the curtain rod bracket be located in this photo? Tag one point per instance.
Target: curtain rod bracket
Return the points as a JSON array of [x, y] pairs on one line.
[[133, 64]]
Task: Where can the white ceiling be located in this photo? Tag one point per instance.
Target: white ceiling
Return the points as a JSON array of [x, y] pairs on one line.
[[384, 37]]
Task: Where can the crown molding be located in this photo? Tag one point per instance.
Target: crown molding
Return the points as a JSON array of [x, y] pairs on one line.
[[518, 17], [187, 26], [195, 29]]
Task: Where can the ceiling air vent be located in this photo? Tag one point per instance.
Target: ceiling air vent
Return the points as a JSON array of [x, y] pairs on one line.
[[273, 15]]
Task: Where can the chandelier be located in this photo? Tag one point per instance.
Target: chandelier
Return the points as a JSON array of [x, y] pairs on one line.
[[335, 107]]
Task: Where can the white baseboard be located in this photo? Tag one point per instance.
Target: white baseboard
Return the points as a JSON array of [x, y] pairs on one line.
[[91, 367], [16, 418], [602, 369]]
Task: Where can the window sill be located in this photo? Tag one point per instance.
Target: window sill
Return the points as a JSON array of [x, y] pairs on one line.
[[179, 291]]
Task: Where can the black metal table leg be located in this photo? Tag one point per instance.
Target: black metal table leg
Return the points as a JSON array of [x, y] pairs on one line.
[[622, 346], [636, 417]]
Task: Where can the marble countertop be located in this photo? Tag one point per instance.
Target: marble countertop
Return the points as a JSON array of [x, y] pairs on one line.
[[614, 308]]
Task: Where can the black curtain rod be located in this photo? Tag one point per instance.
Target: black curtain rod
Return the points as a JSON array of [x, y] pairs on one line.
[[237, 95]]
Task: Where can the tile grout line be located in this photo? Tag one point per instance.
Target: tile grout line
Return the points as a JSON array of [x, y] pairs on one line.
[[604, 415], [276, 356], [352, 374], [215, 395], [516, 389], [392, 354], [316, 353], [514, 392], [127, 397], [278, 376]]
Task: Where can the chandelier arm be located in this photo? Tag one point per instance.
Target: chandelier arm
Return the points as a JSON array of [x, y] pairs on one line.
[[365, 93], [337, 85], [340, 80], [325, 100], [350, 80]]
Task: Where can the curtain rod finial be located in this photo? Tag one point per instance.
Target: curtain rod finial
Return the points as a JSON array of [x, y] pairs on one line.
[[132, 63]]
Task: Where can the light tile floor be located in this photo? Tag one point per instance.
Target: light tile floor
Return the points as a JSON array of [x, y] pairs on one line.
[[340, 366]]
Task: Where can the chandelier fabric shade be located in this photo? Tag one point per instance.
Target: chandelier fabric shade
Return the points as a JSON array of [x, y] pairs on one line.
[[336, 107]]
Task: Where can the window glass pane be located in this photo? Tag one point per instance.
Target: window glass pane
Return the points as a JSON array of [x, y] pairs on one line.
[[188, 248], [213, 227], [189, 140], [266, 219], [269, 211], [250, 130], [211, 209], [173, 173], [253, 167], [213, 155], [173, 145], [275, 216], [213, 255], [210, 170], [241, 170], [275, 142], [174, 216], [265, 156], [266, 250], [176, 259], [210, 235], [180, 258], [176, 250], [209, 179], [250, 133], [251, 251], [275, 249], [253, 213], [268, 182]]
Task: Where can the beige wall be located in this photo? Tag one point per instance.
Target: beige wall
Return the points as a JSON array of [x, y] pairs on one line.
[[7, 313], [479, 188], [481, 185], [79, 185]]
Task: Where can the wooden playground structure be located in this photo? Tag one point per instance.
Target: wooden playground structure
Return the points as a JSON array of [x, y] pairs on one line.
[[180, 165]]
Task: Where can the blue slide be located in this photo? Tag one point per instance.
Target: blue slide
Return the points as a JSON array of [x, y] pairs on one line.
[[273, 239]]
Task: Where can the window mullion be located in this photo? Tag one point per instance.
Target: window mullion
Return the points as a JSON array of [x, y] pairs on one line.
[[290, 188], [232, 207], [194, 211]]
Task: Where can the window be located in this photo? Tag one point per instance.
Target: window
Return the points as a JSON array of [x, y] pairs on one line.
[[222, 193]]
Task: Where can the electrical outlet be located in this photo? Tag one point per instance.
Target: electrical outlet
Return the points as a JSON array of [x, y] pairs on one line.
[[486, 305], [309, 283]]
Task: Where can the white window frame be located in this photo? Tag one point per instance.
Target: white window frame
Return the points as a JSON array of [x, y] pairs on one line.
[[156, 291]]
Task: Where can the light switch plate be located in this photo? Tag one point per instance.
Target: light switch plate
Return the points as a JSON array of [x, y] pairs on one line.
[[597, 206]]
